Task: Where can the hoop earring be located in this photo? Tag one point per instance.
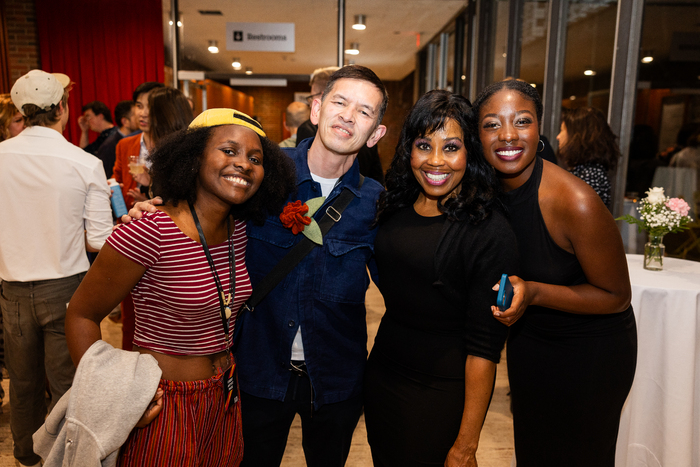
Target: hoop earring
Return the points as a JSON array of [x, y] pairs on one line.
[[538, 146]]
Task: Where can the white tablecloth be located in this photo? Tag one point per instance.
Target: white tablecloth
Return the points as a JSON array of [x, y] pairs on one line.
[[660, 423]]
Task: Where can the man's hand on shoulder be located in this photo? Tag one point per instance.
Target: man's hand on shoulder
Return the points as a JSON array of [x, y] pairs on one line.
[[137, 211]]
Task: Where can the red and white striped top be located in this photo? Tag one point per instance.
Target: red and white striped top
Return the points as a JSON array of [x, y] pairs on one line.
[[176, 301]]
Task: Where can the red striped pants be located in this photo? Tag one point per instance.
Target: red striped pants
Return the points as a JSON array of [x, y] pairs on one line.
[[191, 430]]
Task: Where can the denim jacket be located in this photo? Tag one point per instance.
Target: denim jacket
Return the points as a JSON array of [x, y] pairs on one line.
[[325, 294]]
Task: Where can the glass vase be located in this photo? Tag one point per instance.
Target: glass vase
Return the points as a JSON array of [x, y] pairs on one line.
[[654, 251]]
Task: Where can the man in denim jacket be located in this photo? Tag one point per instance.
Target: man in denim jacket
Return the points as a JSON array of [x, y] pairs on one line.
[[303, 349]]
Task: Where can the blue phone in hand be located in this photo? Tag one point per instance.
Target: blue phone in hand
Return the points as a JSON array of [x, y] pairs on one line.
[[505, 293]]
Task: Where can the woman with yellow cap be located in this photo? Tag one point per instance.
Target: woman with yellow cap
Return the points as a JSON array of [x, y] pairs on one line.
[[185, 267]]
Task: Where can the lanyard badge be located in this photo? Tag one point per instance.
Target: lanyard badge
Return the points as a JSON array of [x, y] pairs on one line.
[[225, 302]]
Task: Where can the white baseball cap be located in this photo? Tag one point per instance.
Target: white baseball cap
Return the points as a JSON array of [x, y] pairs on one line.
[[45, 90]]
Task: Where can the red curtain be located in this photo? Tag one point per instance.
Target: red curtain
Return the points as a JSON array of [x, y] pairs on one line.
[[107, 47]]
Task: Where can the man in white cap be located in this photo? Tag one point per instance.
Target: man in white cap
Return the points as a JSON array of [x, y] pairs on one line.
[[65, 210]]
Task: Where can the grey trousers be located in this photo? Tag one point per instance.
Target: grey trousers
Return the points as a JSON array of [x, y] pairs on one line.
[[35, 349]]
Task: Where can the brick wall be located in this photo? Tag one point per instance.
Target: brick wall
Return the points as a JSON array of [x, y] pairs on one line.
[[22, 40]]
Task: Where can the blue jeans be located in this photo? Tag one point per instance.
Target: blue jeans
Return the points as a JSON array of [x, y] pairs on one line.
[[35, 349]]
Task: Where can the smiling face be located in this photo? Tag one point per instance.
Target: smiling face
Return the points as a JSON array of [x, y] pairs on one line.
[[232, 166], [438, 161], [347, 116], [509, 133]]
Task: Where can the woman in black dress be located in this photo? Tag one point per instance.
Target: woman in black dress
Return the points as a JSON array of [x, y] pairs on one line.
[[572, 354], [442, 244]]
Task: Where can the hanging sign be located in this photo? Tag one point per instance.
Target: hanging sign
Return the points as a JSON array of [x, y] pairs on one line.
[[260, 37]]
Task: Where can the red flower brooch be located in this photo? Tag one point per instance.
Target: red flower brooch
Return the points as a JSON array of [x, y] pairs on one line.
[[297, 217], [293, 217]]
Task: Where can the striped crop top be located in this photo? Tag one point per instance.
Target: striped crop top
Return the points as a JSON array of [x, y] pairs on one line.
[[176, 301]]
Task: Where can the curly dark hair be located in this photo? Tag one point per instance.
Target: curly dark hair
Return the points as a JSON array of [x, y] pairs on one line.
[[479, 189], [522, 87], [175, 171], [590, 139]]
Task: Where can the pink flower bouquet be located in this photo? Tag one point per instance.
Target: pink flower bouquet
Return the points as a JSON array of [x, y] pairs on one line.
[[659, 214]]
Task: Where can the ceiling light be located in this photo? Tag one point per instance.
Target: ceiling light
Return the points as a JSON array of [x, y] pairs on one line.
[[354, 49], [589, 72], [248, 70], [647, 59], [179, 24], [572, 98], [213, 47], [359, 23], [534, 85], [236, 63], [464, 77]]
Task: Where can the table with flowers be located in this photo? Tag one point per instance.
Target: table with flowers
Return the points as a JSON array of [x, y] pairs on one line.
[[660, 423], [659, 215]]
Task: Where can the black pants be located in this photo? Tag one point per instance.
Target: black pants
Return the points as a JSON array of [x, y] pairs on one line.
[[326, 432]]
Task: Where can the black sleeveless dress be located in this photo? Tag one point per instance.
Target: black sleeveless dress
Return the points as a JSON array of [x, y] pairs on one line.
[[569, 374]]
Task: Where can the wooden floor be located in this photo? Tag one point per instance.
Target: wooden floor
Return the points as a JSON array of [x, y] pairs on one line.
[[495, 447]]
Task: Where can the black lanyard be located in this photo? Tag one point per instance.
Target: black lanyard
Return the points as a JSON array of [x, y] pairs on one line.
[[223, 306]]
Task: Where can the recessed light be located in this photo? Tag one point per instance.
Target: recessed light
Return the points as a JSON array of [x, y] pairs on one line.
[[213, 47]]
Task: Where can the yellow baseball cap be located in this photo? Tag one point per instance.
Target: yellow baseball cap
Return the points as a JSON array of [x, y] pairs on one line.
[[216, 117]]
